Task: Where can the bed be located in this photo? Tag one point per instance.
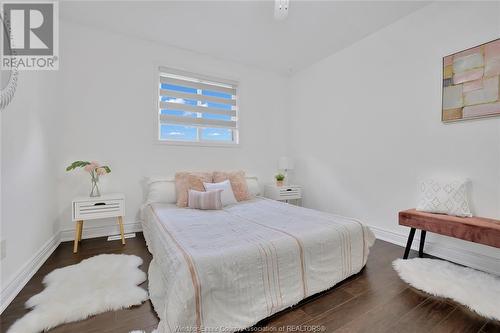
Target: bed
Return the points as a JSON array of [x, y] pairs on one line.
[[225, 270]]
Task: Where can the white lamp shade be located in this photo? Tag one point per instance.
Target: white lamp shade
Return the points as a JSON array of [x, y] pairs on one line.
[[281, 9], [285, 163]]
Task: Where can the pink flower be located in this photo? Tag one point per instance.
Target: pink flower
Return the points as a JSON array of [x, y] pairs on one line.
[[95, 163], [101, 171], [90, 167]]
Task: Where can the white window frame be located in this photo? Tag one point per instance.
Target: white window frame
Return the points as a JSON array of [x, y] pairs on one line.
[[209, 143]]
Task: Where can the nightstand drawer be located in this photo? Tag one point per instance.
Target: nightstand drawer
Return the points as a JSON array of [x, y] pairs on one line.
[[98, 209], [289, 193], [283, 193]]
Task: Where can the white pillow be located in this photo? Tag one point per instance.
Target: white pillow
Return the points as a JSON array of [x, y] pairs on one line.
[[161, 190], [444, 197], [253, 186], [227, 196]]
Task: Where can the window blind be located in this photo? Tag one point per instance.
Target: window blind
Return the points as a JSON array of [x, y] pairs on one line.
[[196, 108]]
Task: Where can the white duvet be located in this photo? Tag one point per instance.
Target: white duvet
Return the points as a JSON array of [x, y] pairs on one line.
[[226, 270]]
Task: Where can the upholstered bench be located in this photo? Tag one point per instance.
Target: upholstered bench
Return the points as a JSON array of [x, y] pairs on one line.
[[473, 229]]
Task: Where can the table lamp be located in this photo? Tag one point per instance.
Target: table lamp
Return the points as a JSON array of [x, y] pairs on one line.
[[285, 164]]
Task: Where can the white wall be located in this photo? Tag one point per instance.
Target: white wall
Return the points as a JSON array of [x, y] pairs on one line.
[[29, 146], [365, 125], [100, 106], [108, 104]]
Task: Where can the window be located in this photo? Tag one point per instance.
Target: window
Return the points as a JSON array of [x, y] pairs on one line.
[[197, 109]]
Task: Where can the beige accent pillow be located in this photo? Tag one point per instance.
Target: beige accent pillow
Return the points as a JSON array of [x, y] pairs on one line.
[[205, 200], [238, 183], [185, 181]]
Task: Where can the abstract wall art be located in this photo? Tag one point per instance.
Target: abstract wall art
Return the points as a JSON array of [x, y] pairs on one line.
[[471, 83]]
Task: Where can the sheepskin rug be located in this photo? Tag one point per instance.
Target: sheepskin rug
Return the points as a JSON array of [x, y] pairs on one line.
[[475, 289], [102, 283]]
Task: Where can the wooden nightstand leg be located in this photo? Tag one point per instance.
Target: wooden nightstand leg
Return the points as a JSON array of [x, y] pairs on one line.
[[78, 235], [120, 222], [81, 231]]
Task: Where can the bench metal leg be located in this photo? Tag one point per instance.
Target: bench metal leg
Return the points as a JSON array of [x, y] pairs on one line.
[[409, 242], [422, 242]]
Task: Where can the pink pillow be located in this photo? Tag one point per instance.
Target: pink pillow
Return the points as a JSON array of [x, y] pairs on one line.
[[205, 200], [238, 183], [185, 181]]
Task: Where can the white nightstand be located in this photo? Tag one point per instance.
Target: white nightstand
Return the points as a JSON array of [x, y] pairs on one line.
[[284, 193], [91, 208]]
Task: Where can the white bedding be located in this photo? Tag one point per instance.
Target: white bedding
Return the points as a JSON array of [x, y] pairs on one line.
[[226, 270]]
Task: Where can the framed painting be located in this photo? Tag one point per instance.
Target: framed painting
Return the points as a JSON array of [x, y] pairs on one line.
[[471, 83]]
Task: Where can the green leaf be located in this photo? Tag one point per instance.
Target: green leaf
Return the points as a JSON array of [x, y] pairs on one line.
[[77, 164]]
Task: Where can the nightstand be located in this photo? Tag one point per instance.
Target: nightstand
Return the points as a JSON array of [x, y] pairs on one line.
[[91, 208], [284, 193]]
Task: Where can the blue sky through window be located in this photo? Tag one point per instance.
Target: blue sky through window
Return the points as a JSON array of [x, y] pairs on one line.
[[216, 116], [177, 132], [178, 100], [179, 113], [217, 134], [189, 133], [218, 105], [186, 133], [178, 88], [216, 94]]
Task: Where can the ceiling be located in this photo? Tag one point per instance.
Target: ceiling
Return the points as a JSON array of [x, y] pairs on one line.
[[245, 31]]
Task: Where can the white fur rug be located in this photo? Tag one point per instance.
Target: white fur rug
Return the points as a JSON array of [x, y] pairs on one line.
[[102, 283], [475, 289]]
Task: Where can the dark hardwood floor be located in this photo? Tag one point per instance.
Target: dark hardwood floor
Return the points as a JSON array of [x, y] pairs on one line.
[[375, 300]]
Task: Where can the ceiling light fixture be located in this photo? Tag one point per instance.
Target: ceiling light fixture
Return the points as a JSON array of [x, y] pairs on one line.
[[281, 9]]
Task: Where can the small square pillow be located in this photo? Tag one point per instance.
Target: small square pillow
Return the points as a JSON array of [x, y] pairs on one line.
[[227, 195], [185, 181], [205, 200], [444, 198], [238, 183]]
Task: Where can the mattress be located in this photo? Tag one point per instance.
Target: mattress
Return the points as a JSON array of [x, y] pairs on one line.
[[225, 270]]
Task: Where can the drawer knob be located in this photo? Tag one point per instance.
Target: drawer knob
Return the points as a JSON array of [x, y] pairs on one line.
[[100, 204]]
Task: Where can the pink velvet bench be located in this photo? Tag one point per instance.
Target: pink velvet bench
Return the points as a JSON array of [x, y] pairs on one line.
[[473, 229]]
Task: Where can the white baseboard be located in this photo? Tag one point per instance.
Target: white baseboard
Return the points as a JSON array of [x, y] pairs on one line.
[[22, 277], [26, 272], [460, 256], [91, 231]]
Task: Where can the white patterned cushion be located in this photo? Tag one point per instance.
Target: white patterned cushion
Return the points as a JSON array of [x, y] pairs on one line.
[[444, 198]]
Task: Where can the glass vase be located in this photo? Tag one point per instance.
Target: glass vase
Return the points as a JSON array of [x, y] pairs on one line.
[[94, 192]]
